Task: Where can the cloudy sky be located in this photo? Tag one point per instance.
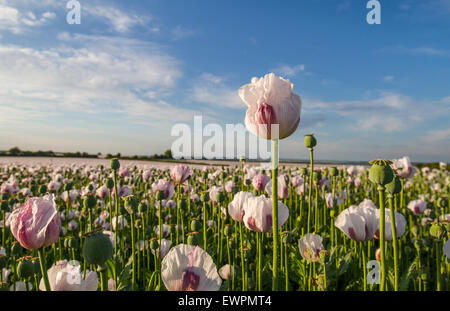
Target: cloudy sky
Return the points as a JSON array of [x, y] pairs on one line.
[[132, 69]]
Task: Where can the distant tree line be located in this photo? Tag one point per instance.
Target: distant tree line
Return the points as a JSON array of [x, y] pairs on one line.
[[16, 152]]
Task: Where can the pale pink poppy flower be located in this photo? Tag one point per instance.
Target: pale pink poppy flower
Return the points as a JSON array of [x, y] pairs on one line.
[[258, 214], [400, 225], [121, 222], [367, 203], [165, 187], [226, 272], [229, 186], [251, 172], [403, 167], [64, 276], [301, 189], [189, 268], [165, 230], [171, 204], [6, 273], [123, 172], [330, 202], [102, 192], [36, 223], [236, 207], [417, 206], [283, 190], [180, 173], [296, 181], [195, 198], [425, 221], [310, 246], [26, 192], [6, 188], [213, 193], [210, 223], [146, 175], [123, 191], [111, 285], [352, 170], [93, 177], [71, 196], [260, 181], [165, 247], [112, 237], [20, 286], [271, 101], [72, 225], [359, 223], [357, 182]]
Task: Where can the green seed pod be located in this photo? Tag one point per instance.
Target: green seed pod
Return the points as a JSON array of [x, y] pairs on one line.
[[395, 186], [317, 177], [381, 173], [182, 204], [16, 250], [160, 195], [196, 225], [204, 197], [42, 189], [424, 276], [228, 230], [298, 222], [154, 245], [193, 239], [25, 269], [109, 183], [37, 267], [332, 213], [220, 197], [131, 204], [415, 230], [436, 231], [97, 249], [115, 164], [89, 202], [310, 141], [333, 171]]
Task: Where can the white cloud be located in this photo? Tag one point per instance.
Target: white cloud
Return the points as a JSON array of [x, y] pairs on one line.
[[212, 90], [288, 71], [437, 136], [101, 75], [388, 78], [180, 32], [17, 21]]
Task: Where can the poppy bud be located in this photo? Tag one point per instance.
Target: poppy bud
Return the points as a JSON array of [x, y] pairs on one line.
[[424, 276], [115, 164], [332, 213], [25, 269], [310, 141], [37, 266], [196, 225], [298, 222], [286, 237], [333, 171], [229, 229], [16, 249], [193, 239], [109, 183], [317, 176], [182, 204], [154, 245], [97, 249], [436, 231], [378, 255], [89, 202], [220, 197], [381, 173], [415, 230], [204, 197], [131, 204], [395, 186]]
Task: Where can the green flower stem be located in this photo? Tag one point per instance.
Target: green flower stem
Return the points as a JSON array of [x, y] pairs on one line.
[[103, 278], [311, 152], [364, 265], [133, 253], [204, 227], [116, 246], [241, 240], [438, 265], [43, 269], [275, 151], [381, 191], [259, 237], [286, 270], [395, 242]]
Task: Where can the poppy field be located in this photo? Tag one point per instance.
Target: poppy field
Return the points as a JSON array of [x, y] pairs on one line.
[[210, 228]]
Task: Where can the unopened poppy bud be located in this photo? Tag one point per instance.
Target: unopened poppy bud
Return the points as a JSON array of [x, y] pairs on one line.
[[193, 238], [332, 213], [182, 204], [317, 176], [333, 171], [97, 249], [378, 255], [424, 276], [131, 204], [381, 173], [395, 186], [196, 225], [229, 230], [310, 141], [115, 164], [160, 195], [298, 222], [109, 183], [154, 245], [436, 231], [204, 197], [16, 249], [37, 266], [25, 269], [89, 202]]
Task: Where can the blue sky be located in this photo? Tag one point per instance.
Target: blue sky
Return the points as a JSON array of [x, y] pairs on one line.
[[119, 81]]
